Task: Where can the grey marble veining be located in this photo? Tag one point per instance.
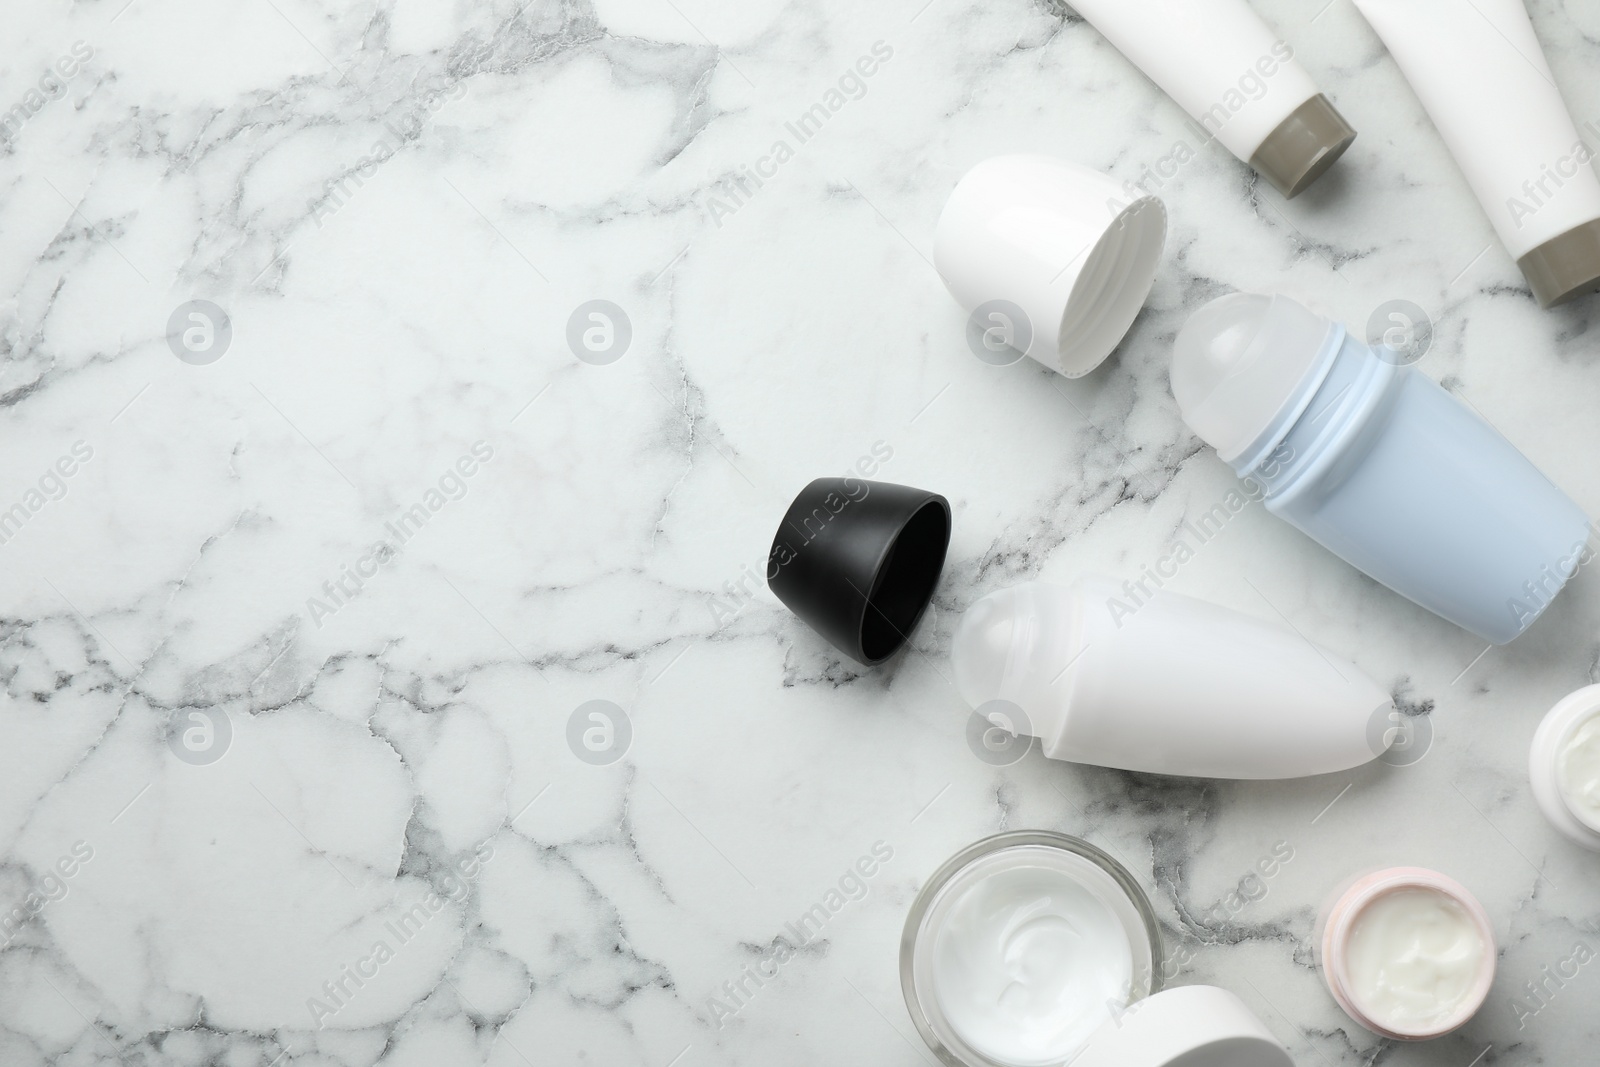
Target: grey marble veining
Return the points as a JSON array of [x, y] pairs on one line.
[[293, 654]]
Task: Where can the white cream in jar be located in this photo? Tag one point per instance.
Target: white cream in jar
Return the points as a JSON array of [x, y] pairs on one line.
[[1564, 766], [1408, 953], [1578, 770], [1022, 947], [1414, 956], [1030, 961]]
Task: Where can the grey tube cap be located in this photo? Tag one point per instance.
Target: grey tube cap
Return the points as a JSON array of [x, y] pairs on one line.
[[1565, 267], [1303, 146]]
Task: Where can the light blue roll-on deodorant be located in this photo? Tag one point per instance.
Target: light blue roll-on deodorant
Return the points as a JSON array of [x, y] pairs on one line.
[[1378, 463]]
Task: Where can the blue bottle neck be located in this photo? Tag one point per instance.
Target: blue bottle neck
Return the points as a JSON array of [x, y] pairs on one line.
[[1323, 419]]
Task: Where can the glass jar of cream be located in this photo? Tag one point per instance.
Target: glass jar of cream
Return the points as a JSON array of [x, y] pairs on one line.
[[1408, 953], [1032, 948], [1023, 945], [1564, 767]]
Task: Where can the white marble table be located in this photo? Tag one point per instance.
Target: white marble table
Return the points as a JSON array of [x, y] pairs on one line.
[[398, 207]]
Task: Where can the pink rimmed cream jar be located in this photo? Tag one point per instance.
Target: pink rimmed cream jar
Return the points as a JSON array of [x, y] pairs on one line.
[[1408, 953]]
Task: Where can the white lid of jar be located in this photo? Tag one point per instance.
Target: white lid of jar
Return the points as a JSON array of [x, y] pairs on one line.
[[1073, 250], [1197, 1025]]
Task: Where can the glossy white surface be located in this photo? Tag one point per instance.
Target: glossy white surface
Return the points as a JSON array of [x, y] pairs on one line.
[[611, 548]]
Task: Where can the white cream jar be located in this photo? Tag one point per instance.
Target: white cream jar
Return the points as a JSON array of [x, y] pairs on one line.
[[1408, 953], [1032, 948], [1564, 767]]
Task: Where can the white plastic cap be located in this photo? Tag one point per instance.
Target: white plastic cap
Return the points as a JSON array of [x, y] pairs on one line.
[[1239, 362], [1195, 1026], [1071, 247]]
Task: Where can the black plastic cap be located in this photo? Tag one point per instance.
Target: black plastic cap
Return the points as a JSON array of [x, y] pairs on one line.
[[858, 561]]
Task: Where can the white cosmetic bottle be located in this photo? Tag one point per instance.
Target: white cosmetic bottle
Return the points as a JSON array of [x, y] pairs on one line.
[[1175, 686], [1481, 73], [1235, 78]]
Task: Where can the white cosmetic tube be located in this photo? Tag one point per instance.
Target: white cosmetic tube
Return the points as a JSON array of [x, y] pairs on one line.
[[1235, 77], [1484, 80]]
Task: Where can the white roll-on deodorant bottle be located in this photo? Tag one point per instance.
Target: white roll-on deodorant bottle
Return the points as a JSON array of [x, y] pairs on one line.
[[1375, 461], [1173, 686]]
